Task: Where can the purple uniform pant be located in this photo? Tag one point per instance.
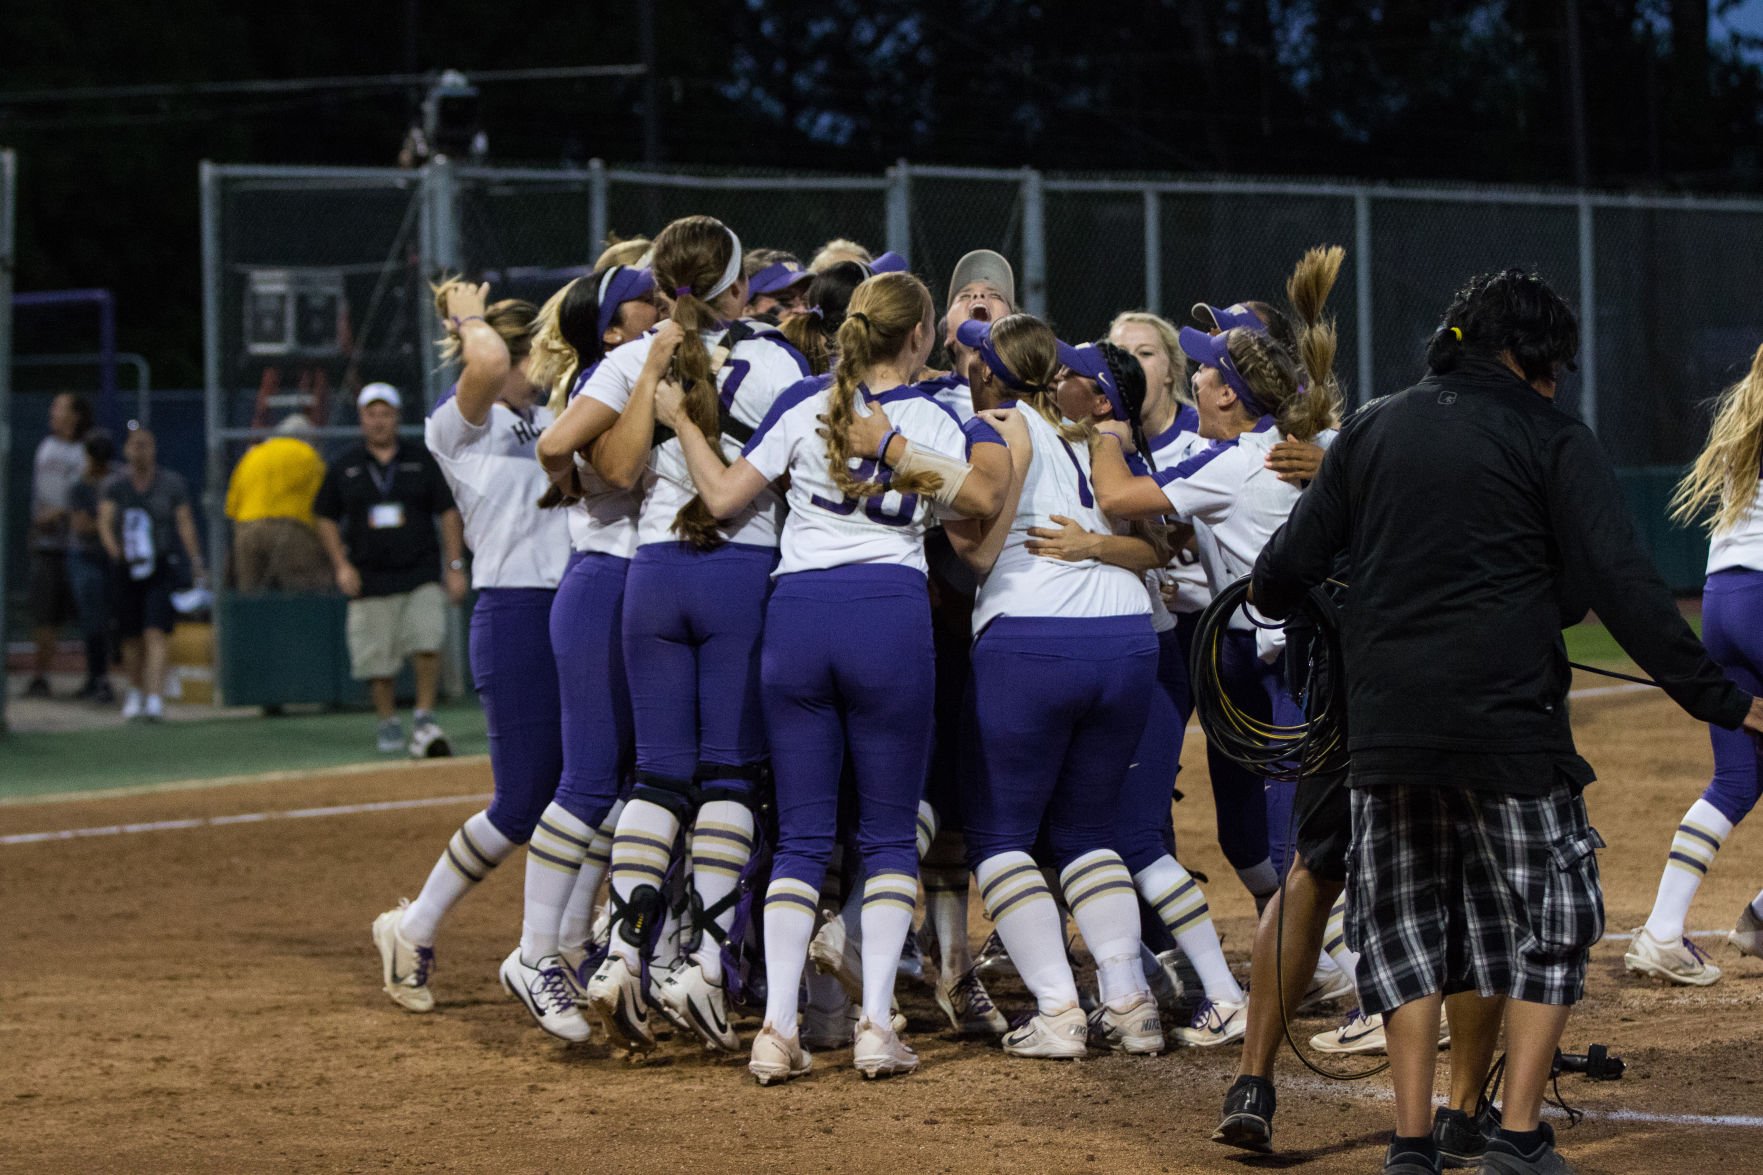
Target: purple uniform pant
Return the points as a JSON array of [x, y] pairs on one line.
[[848, 662], [1147, 828], [516, 677], [1058, 709], [692, 622], [1732, 628], [586, 633]]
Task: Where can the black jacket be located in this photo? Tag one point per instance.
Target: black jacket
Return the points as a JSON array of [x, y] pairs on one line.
[[1478, 520]]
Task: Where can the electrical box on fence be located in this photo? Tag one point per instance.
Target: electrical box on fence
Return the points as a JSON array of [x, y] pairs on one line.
[[295, 313]]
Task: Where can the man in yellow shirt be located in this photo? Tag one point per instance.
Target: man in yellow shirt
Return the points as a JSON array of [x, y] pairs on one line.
[[269, 500]]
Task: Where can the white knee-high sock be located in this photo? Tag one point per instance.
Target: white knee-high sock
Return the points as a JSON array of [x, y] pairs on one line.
[[1698, 837], [1757, 904], [1172, 891], [888, 902], [474, 850], [1334, 941], [722, 844], [578, 917], [1106, 907], [553, 866], [945, 908], [789, 924], [1019, 903], [928, 825], [642, 848]]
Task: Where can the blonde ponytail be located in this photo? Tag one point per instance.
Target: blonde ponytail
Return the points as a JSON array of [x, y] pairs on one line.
[[1723, 481]]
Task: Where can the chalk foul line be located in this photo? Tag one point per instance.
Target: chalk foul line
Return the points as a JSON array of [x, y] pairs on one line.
[[28, 838]]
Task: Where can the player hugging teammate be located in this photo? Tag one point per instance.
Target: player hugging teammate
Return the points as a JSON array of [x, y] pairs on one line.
[[777, 624]]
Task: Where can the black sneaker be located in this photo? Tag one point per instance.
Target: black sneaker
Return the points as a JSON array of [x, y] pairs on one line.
[[1408, 1162], [1462, 1139], [1502, 1156], [1248, 1116]]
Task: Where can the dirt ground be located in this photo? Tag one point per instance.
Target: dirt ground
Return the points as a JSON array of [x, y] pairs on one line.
[[207, 998]]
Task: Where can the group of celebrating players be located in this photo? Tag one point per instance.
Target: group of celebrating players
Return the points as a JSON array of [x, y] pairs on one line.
[[778, 622]]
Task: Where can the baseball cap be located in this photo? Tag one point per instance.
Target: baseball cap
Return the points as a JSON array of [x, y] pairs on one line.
[[1232, 316], [621, 284], [983, 265], [297, 425], [1088, 361], [978, 335], [378, 393], [780, 275], [1214, 351]]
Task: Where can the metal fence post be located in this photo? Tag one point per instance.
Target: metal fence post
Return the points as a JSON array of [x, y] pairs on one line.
[[899, 210], [8, 201], [1033, 295], [441, 252], [596, 206], [1362, 295], [1153, 251], [1588, 318], [215, 376]]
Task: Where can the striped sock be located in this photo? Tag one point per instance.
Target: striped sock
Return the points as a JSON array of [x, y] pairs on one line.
[[722, 844], [927, 827], [1697, 839], [888, 903], [1173, 893], [641, 851], [790, 907], [1018, 901], [553, 866], [474, 850], [577, 925], [1106, 907], [945, 908], [1334, 941]]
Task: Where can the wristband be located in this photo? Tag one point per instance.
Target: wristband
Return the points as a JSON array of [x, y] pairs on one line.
[[1115, 437], [881, 452], [459, 322]]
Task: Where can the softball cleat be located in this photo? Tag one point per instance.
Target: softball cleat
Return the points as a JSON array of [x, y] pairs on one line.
[[404, 967], [833, 953], [1747, 936], [700, 1006], [1135, 1030], [777, 1058], [969, 1007], [616, 997], [1215, 1023], [545, 992], [1060, 1036], [879, 1052], [1681, 962]]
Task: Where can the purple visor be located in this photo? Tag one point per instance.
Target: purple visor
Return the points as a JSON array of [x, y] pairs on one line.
[[1214, 351], [618, 285], [1088, 361], [887, 263], [978, 335], [1229, 318], [779, 276]]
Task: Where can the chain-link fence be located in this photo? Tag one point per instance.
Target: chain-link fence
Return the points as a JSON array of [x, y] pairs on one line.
[[317, 279], [8, 215]]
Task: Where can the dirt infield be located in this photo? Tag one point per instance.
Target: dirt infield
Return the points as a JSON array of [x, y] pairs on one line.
[[207, 998]]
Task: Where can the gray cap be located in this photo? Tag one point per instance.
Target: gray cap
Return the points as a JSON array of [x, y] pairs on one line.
[[983, 265]]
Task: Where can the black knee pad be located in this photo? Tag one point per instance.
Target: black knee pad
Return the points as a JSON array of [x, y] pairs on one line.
[[678, 796], [638, 917], [713, 782]]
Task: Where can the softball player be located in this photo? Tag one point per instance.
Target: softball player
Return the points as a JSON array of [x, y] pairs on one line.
[[1725, 476], [693, 613], [483, 434], [1064, 662], [577, 327], [847, 660]]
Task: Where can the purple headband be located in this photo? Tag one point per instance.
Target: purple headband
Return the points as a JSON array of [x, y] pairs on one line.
[[618, 285], [978, 335]]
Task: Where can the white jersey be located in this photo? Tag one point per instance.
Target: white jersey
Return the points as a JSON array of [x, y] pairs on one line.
[[1170, 448], [759, 369], [952, 392], [1021, 584], [604, 520], [825, 528], [1235, 502], [497, 481], [1740, 545]]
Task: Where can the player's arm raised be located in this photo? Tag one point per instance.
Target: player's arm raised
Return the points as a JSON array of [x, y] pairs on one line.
[[482, 351]]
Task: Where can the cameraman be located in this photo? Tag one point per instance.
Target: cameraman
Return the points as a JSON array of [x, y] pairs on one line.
[[1479, 519]]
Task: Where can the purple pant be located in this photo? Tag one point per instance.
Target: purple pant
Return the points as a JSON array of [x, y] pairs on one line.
[[848, 662], [1058, 708], [516, 678], [1146, 828], [1732, 628], [586, 632], [692, 621]]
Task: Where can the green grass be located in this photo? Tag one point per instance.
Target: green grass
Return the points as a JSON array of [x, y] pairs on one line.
[[75, 761], [1592, 644]]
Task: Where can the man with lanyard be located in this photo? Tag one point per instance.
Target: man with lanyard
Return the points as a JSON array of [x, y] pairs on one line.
[[376, 516]]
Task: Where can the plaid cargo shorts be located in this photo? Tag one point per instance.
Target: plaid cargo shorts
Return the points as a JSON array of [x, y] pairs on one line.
[[1452, 890]]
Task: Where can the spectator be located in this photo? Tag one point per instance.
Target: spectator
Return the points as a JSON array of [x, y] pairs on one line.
[[376, 517], [60, 461], [269, 499], [88, 569], [149, 532]]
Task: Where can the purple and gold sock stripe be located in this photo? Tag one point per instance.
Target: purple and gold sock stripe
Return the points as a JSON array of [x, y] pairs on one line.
[[638, 857], [927, 828], [1693, 849], [1182, 905], [469, 861], [1094, 875], [560, 841], [721, 848], [1015, 882], [792, 895], [891, 889]]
